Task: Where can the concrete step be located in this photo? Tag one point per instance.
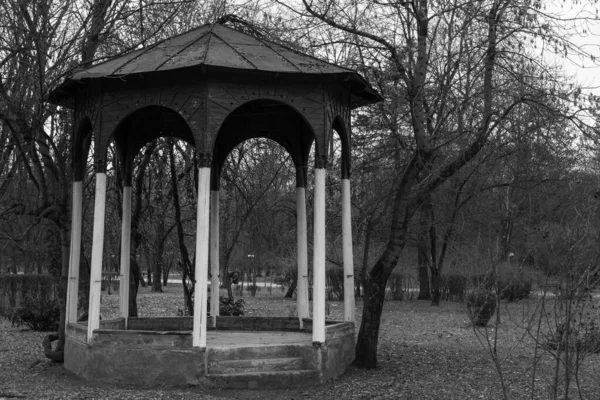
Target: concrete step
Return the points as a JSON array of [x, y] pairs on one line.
[[252, 352], [256, 365], [266, 379]]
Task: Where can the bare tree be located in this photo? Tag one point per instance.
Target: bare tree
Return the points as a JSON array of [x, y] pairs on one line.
[[452, 62]]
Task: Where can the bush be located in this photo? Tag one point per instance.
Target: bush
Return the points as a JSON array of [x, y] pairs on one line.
[[513, 284], [583, 336], [483, 281], [229, 307], [14, 288], [481, 304], [516, 287], [38, 313], [287, 278], [253, 288]]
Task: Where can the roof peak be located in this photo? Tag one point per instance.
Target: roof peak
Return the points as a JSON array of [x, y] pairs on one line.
[[234, 49], [217, 46]]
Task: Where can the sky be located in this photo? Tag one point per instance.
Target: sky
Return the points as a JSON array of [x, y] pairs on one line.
[[584, 34], [576, 21]]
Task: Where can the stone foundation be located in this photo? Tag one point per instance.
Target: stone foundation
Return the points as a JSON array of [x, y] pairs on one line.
[[158, 351]]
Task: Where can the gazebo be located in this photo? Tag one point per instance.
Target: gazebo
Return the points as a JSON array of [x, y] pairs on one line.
[[213, 87]]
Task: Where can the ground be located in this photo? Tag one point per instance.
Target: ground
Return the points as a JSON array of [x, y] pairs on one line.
[[425, 352]]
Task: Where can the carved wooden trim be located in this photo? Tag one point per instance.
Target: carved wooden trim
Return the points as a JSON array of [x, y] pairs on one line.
[[338, 106], [225, 96]]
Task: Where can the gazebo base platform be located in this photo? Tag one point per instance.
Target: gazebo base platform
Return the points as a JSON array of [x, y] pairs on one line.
[[242, 352]]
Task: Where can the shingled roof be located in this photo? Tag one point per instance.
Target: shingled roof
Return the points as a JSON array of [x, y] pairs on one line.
[[220, 47]]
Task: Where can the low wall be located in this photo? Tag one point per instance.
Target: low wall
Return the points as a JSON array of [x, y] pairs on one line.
[[159, 350], [134, 357], [338, 351], [223, 323]]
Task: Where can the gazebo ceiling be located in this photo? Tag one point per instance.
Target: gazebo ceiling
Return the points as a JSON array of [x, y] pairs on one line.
[[217, 46]]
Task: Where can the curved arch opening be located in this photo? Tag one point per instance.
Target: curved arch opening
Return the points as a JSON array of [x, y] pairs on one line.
[[147, 124], [258, 205], [268, 119]]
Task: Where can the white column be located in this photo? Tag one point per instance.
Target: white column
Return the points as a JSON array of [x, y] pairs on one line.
[[214, 255], [349, 305], [302, 256], [125, 254], [73, 284], [319, 258], [97, 248], [201, 270]]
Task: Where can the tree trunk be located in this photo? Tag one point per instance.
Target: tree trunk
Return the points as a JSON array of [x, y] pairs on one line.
[[436, 292], [58, 353], [424, 293], [159, 246], [368, 335], [423, 260], [365, 263], [227, 282], [375, 282], [186, 265], [166, 272], [398, 292], [290, 292], [134, 283], [253, 288], [109, 281]]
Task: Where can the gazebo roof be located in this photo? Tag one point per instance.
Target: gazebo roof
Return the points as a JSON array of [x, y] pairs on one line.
[[217, 46]]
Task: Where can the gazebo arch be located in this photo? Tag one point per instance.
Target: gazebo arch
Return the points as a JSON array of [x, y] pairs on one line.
[[213, 87], [283, 123]]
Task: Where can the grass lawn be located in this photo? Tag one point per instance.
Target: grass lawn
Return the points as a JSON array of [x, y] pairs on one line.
[[425, 352]]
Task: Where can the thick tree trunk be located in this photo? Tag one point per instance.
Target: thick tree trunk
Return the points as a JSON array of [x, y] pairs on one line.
[[424, 293], [368, 335], [166, 272], [375, 282], [227, 282], [365, 263]]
